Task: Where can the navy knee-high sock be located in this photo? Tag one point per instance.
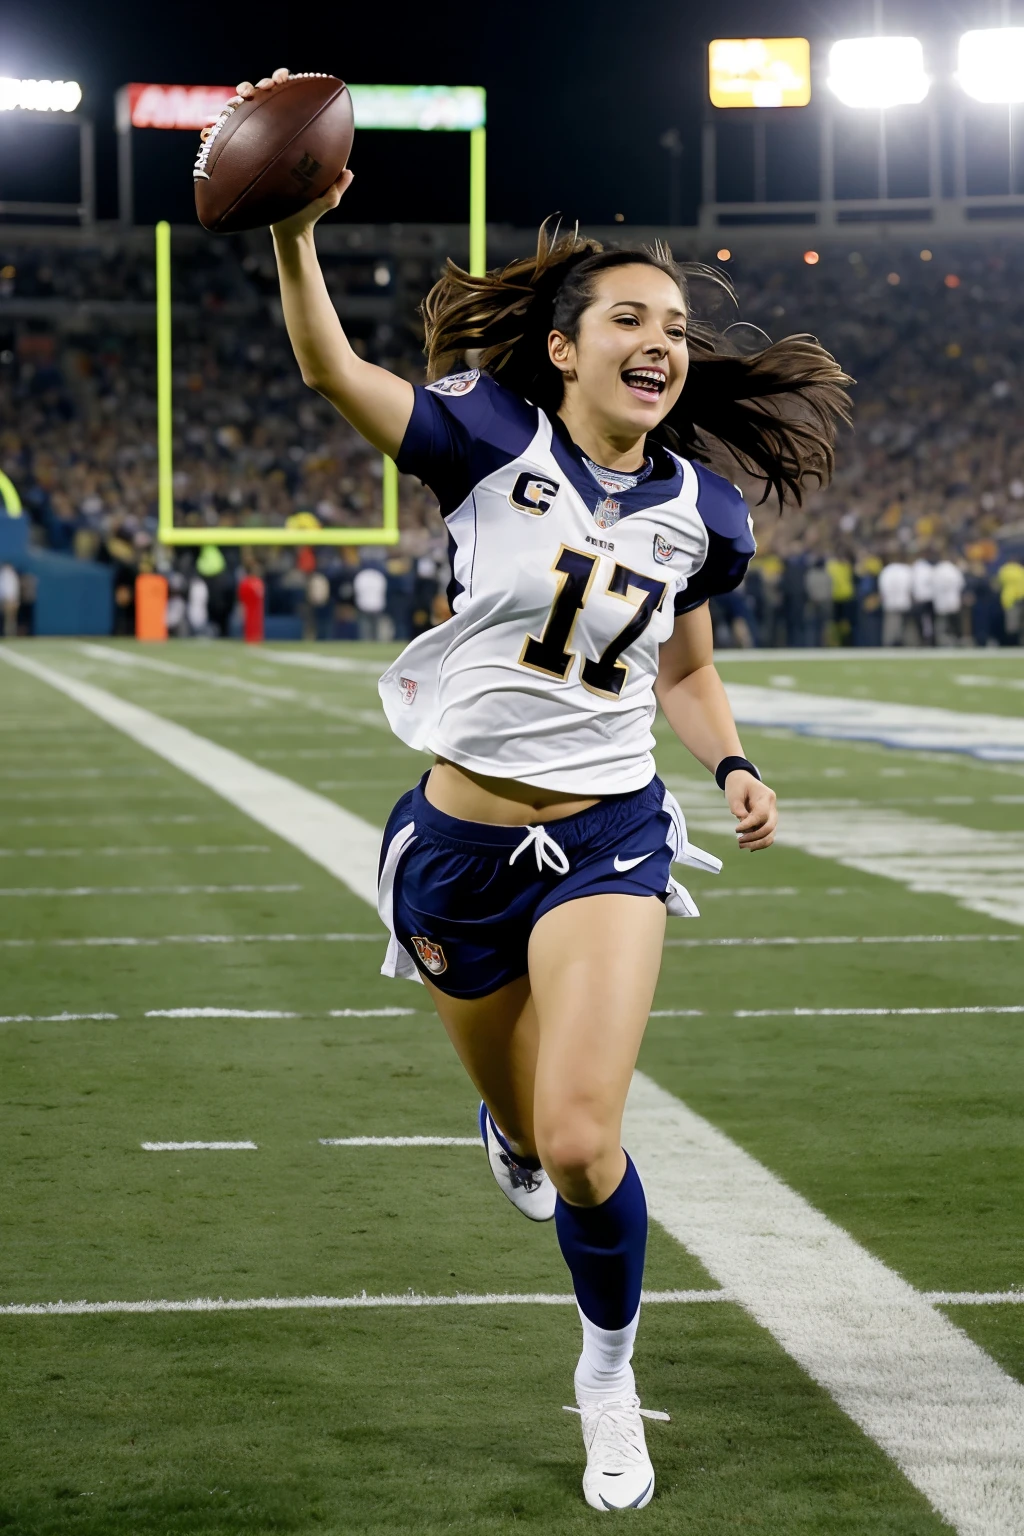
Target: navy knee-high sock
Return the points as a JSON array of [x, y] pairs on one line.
[[604, 1246]]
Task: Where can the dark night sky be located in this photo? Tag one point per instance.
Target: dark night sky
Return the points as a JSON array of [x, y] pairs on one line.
[[578, 93]]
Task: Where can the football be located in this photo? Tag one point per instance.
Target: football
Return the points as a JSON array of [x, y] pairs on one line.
[[266, 158]]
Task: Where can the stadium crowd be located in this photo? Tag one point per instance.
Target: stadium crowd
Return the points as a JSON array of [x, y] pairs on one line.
[[919, 538]]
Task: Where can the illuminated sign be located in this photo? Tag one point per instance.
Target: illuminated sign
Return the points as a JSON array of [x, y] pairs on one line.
[[39, 95], [451, 108], [760, 71]]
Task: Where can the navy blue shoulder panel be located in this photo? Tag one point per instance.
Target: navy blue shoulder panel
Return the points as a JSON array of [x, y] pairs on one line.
[[463, 428], [730, 540]]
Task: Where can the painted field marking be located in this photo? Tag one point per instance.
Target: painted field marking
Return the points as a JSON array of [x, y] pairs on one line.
[[51, 1018], [981, 871], [322, 663], [947, 1414], [371, 1013], [878, 938], [400, 1141], [198, 1146], [80, 773], [984, 680], [219, 1013], [411, 1299], [149, 890], [944, 1410], [865, 1013], [332, 837], [260, 691], [131, 851], [103, 941]]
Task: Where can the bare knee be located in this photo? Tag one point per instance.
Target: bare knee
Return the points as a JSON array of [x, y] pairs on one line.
[[582, 1159]]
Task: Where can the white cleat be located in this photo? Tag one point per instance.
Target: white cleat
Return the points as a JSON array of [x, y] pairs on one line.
[[530, 1192], [619, 1474]]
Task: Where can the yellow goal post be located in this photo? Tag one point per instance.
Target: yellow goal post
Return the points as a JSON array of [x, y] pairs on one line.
[[430, 108]]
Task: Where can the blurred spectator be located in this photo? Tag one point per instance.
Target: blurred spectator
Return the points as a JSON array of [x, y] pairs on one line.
[[423, 593], [794, 599], [370, 590], [947, 599], [818, 607], [922, 592], [896, 590], [868, 618], [10, 600], [844, 606], [1010, 581], [986, 612], [317, 617]]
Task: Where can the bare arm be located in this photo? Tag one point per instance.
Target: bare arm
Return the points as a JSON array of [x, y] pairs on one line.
[[376, 403], [695, 705]]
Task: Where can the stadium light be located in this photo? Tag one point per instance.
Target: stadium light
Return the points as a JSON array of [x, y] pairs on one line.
[[759, 71], [39, 95], [990, 64], [878, 71]]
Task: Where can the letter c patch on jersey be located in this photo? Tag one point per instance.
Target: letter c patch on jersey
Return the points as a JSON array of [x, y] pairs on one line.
[[431, 955], [533, 494]]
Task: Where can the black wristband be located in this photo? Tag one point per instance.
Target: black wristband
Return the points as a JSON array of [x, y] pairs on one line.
[[729, 765]]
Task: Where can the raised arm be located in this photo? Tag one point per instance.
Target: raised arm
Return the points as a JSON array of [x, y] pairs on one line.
[[695, 705], [376, 403]]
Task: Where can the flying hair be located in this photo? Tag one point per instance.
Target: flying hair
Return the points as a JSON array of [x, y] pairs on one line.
[[775, 411]]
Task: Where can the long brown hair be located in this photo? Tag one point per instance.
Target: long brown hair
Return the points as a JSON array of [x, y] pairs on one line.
[[776, 411]]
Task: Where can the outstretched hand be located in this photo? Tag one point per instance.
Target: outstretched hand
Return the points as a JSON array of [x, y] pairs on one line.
[[753, 805], [308, 216]]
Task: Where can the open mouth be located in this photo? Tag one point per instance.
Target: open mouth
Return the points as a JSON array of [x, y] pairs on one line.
[[645, 383]]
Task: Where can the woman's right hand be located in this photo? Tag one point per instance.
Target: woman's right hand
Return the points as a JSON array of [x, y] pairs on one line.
[[298, 223]]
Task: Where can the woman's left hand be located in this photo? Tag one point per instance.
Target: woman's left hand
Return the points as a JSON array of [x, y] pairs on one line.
[[753, 804]]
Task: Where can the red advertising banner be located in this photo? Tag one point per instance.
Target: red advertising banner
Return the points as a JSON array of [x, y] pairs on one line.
[[176, 106]]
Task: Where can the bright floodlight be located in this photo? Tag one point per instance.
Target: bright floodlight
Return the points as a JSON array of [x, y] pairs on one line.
[[990, 66], [878, 71], [39, 95]]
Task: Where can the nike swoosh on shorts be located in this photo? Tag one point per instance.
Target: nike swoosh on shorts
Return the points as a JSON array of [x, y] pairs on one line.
[[623, 864]]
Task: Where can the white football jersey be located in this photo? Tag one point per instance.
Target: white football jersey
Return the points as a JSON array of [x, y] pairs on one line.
[[562, 592]]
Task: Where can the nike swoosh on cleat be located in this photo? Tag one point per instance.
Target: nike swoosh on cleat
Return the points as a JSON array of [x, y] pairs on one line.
[[631, 1505], [623, 864]]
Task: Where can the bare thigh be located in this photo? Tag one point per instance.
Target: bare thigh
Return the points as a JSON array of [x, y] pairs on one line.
[[496, 1039], [594, 965]]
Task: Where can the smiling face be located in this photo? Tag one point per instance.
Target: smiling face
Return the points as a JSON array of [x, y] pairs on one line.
[[626, 368]]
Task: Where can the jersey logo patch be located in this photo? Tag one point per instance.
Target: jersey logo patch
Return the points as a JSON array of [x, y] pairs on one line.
[[408, 685], [663, 550], [533, 494], [456, 383], [432, 956], [607, 512]]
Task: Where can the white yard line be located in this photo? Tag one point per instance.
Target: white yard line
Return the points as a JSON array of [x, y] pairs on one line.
[[317, 1303], [400, 1141], [332, 837], [215, 1013], [848, 938], [198, 1146], [942, 1408], [322, 663], [982, 871], [130, 851], [103, 941], [149, 890], [952, 1420], [51, 1018], [992, 738], [410, 1299], [220, 1013]]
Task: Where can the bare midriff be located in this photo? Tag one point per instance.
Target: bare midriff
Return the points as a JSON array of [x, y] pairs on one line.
[[472, 796]]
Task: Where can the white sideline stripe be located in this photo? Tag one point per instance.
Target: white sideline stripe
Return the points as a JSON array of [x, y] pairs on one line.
[[332, 837], [129, 851], [497, 1299], [992, 738], [399, 1141], [101, 941], [238, 684], [943, 1409], [945, 1412], [894, 654], [198, 1146], [149, 890], [321, 663], [826, 1013], [982, 871], [51, 1018], [314, 1303], [855, 938], [213, 1013]]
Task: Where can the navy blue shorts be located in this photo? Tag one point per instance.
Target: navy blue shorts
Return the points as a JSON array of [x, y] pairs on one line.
[[461, 897]]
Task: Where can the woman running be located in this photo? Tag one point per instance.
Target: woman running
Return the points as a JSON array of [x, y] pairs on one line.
[[526, 879]]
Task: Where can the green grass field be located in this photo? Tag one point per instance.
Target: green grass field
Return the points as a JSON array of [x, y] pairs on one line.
[[904, 1129]]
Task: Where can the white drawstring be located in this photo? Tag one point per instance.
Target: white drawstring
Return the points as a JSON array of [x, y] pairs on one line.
[[545, 849]]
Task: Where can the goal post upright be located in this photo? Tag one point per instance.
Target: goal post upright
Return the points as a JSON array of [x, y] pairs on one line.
[[431, 108]]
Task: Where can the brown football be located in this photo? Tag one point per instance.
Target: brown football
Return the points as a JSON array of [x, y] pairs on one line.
[[266, 158]]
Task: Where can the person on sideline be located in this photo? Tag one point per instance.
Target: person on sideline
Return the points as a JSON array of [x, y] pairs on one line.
[[895, 588], [587, 540]]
